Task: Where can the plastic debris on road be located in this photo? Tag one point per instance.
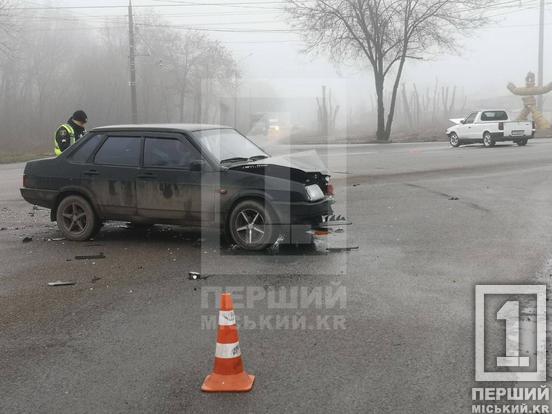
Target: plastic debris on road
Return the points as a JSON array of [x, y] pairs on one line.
[[194, 275], [60, 283]]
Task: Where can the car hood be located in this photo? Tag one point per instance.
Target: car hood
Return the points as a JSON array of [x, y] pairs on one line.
[[306, 161]]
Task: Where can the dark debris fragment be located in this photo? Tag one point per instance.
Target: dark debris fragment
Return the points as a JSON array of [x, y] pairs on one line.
[[91, 257], [342, 249]]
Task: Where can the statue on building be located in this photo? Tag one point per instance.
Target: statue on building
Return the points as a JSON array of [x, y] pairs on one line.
[[529, 101]]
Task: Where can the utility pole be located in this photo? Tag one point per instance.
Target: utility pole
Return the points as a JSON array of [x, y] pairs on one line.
[[541, 53], [132, 59], [236, 88]]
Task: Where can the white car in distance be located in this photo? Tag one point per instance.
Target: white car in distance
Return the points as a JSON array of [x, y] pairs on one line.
[[489, 127]]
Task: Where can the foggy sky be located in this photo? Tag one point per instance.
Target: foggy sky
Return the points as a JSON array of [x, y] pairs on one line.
[[504, 51]]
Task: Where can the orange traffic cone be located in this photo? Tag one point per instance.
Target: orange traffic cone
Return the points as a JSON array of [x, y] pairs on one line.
[[228, 375]]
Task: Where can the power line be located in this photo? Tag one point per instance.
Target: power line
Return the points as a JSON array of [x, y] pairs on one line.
[[187, 4], [186, 27]]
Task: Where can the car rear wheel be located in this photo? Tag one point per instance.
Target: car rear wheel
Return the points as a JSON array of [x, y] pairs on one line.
[[522, 142], [251, 225], [454, 140], [76, 218], [488, 140]]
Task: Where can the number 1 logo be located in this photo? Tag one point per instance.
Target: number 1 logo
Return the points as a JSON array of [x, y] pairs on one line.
[[510, 313]]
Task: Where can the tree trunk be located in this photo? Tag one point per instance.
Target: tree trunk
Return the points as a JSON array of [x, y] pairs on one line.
[[391, 114], [380, 133]]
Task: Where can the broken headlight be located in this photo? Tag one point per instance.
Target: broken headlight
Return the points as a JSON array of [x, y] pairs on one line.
[[314, 193]]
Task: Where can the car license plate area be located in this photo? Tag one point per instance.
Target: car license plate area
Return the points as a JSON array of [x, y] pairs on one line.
[[517, 133]]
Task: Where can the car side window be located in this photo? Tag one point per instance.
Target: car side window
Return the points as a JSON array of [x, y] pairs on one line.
[[169, 153], [83, 152], [470, 118], [124, 151]]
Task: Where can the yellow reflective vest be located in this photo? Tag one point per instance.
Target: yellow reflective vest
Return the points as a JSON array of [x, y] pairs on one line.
[[71, 132]]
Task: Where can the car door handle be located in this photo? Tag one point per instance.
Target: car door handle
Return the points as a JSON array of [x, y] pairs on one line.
[[91, 172], [147, 176]]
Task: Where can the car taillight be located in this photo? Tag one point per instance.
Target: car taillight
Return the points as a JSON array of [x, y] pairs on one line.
[[501, 126], [25, 181]]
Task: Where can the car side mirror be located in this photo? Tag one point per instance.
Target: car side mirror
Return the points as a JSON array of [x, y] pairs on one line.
[[198, 165], [463, 121]]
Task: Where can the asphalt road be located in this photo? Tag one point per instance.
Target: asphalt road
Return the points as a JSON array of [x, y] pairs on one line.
[[397, 330]]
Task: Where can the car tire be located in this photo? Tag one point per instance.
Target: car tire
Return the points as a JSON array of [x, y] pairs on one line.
[[488, 140], [251, 225], [454, 140], [522, 142], [76, 218]]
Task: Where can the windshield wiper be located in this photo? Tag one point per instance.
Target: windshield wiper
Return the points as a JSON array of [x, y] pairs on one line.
[[235, 159], [239, 159], [257, 158]]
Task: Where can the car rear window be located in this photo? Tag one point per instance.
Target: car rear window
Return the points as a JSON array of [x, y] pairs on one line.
[[83, 153], [494, 116], [124, 151]]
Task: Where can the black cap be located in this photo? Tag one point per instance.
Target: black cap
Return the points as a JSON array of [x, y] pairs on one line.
[[80, 116]]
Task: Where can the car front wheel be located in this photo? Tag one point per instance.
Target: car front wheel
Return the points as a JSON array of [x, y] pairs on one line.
[[251, 225], [454, 140], [76, 218]]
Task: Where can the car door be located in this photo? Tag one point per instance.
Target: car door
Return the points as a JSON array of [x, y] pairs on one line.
[[170, 186], [466, 130], [111, 177], [487, 121]]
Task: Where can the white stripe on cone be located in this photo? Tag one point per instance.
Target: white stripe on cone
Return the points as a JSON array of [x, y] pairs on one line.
[[227, 351], [226, 318]]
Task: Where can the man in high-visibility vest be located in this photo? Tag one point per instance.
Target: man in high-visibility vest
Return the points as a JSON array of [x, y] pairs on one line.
[[69, 133]]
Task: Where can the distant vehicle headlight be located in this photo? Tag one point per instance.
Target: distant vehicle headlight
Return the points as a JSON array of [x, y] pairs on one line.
[[314, 192]]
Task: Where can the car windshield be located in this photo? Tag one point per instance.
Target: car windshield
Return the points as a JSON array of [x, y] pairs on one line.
[[228, 145]]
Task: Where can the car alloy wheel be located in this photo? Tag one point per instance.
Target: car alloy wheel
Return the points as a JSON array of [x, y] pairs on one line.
[[488, 140], [76, 219], [454, 141], [251, 225]]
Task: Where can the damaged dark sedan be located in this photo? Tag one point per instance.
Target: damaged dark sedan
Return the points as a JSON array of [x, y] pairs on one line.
[[191, 175]]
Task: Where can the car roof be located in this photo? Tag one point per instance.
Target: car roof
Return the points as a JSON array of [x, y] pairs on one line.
[[160, 127]]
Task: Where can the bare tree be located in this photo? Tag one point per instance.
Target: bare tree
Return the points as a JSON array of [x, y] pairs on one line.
[[6, 25], [385, 33], [41, 89], [327, 113]]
